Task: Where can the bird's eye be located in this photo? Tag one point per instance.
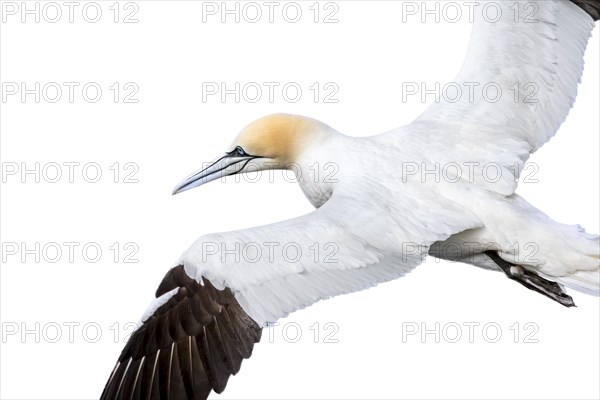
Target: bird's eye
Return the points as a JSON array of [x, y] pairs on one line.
[[239, 151]]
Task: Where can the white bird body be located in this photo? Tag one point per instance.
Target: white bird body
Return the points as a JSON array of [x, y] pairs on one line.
[[460, 219], [363, 230], [443, 186], [524, 235]]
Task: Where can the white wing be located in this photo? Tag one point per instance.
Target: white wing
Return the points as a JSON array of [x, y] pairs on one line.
[[362, 236], [517, 85], [210, 309]]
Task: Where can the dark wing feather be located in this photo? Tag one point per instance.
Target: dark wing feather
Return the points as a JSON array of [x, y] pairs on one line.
[[188, 347], [592, 7]]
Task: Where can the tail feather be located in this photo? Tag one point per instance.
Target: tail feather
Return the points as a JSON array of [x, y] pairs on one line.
[[583, 281], [579, 256]]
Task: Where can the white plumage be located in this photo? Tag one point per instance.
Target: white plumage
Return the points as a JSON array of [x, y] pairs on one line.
[[376, 211], [443, 186], [538, 62]]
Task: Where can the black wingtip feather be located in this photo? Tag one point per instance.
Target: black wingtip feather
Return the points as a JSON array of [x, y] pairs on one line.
[[188, 347], [592, 7]]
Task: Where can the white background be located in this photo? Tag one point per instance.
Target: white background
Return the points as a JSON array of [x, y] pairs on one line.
[[170, 132]]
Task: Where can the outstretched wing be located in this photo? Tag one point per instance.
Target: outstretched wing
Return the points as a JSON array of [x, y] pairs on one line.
[[191, 340], [210, 309], [517, 84]]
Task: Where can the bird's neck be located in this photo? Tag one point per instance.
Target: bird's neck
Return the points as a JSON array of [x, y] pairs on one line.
[[317, 171]]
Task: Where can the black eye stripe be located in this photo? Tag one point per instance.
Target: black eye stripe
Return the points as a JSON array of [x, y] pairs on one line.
[[240, 152]]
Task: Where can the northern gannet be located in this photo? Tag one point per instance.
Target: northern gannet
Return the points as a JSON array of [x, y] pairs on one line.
[[381, 217]]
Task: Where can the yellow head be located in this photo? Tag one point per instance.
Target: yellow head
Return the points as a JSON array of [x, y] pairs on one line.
[[279, 137], [275, 141]]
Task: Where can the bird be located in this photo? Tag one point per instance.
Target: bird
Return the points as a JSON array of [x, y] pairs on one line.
[[442, 186]]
